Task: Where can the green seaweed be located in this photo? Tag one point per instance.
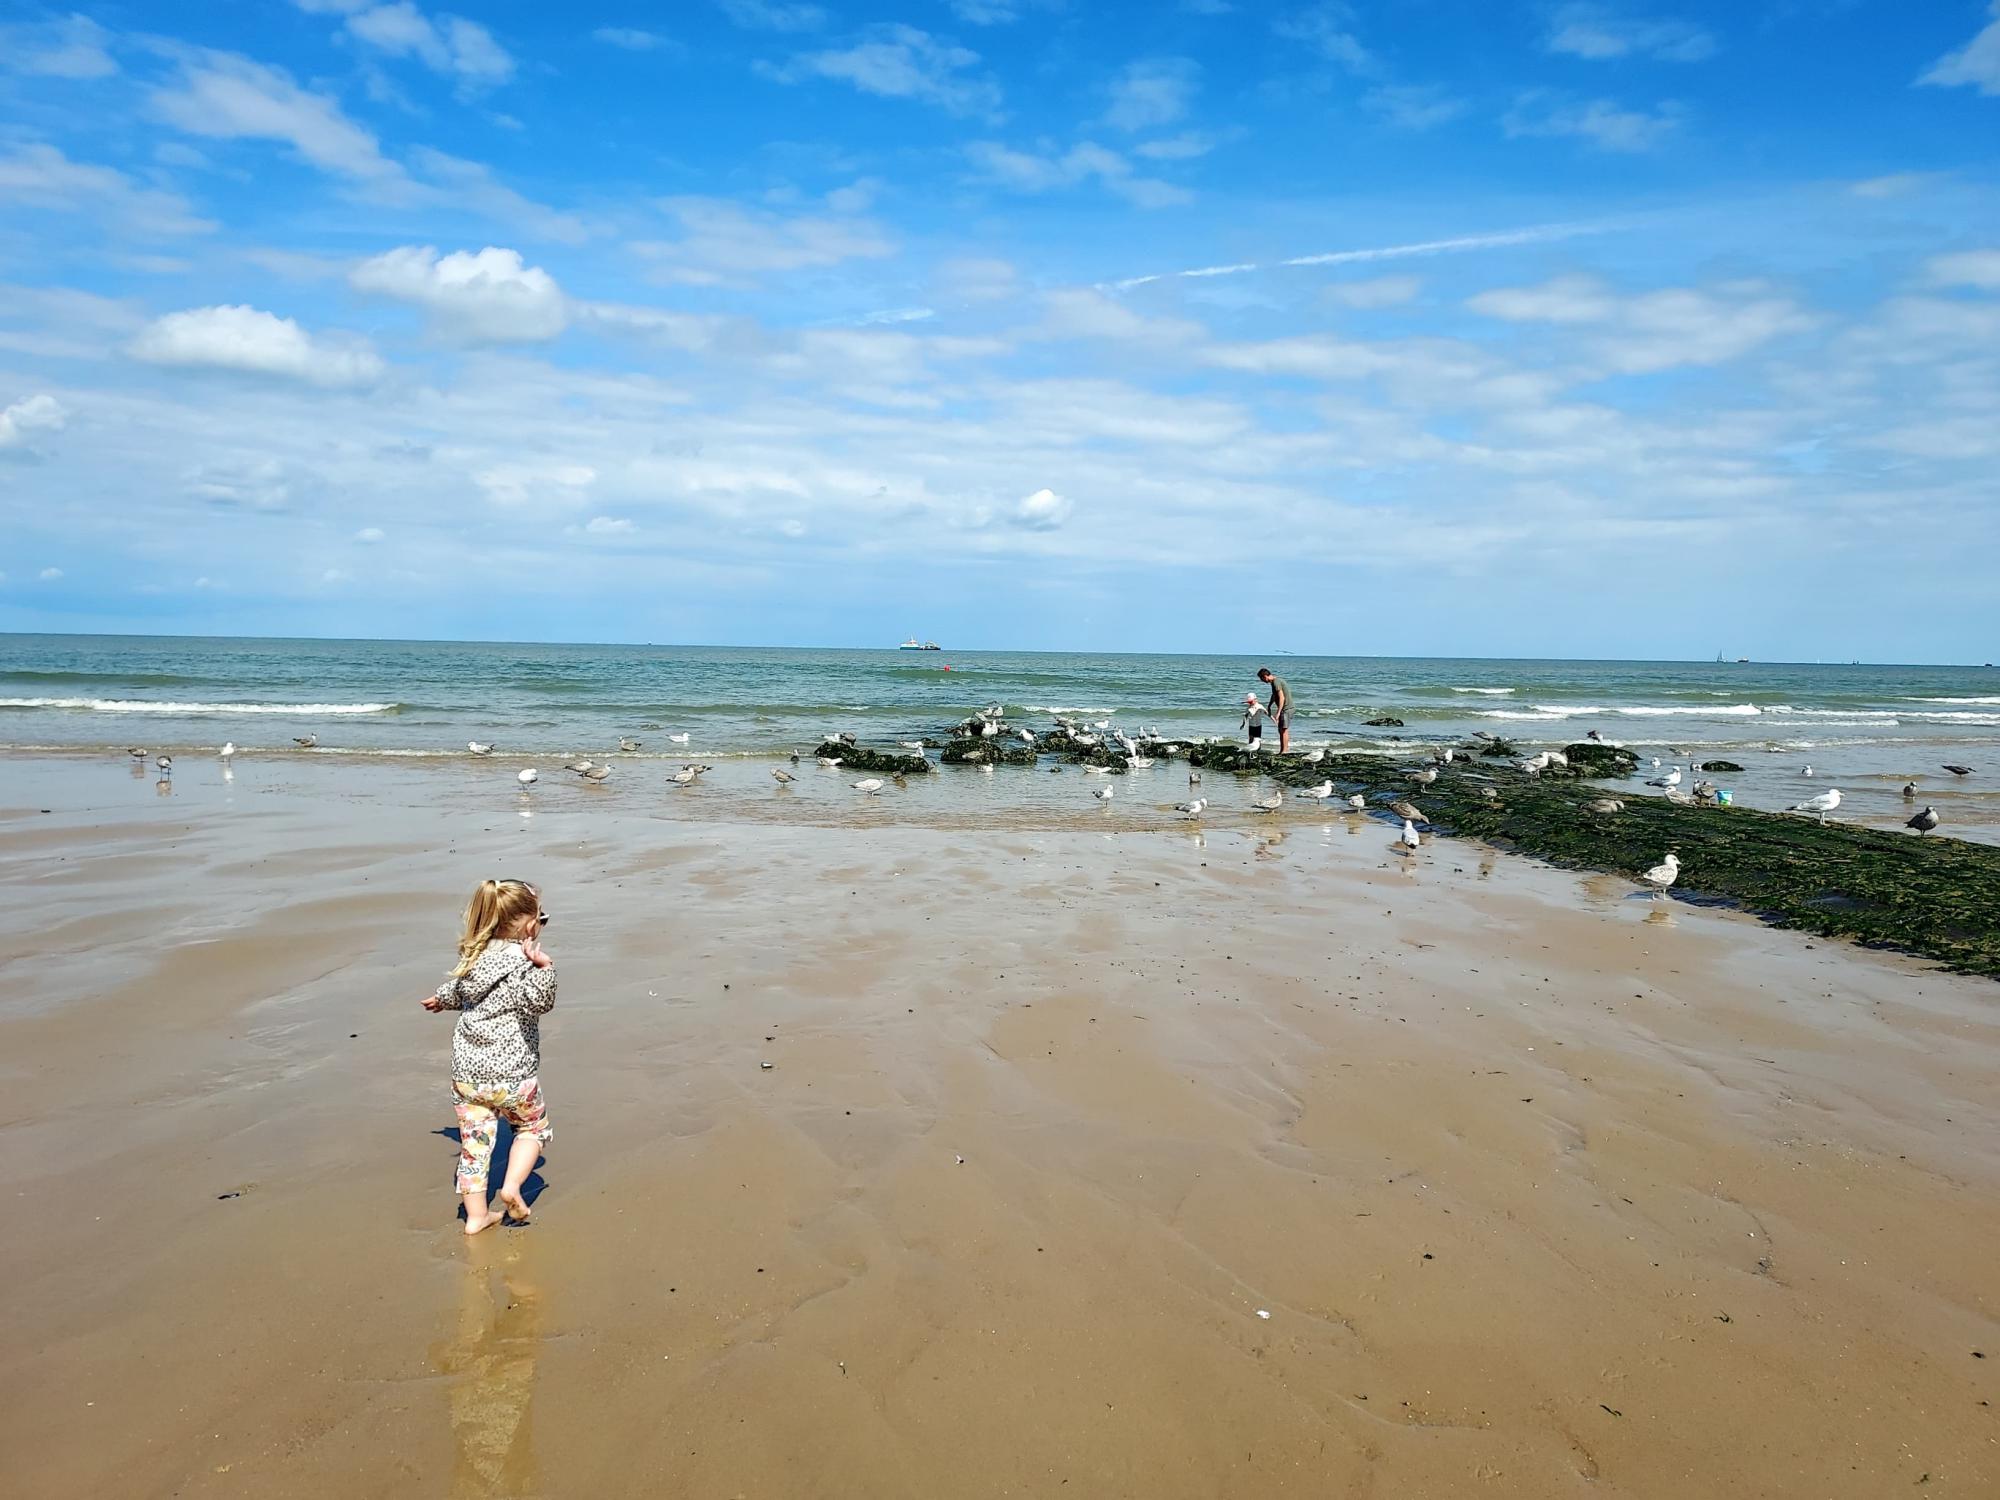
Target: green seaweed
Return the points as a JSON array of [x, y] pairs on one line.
[[858, 758]]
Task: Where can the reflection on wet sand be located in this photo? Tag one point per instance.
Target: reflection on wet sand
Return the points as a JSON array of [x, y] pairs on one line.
[[490, 1363]]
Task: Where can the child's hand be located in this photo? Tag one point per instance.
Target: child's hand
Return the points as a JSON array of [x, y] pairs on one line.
[[531, 949], [432, 1003]]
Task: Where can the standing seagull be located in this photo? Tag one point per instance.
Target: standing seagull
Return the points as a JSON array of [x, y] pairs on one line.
[[1823, 804], [1671, 780], [528, 777], [1357, 802], [1191, 810], [869, 784], [685, 776], [1924, 821], [1271, 803], [1105, 793], [478, 749], [303, 741], [1317, 793], [166, 765], [578, 766], [597, 774], [782, 776], [1411, 839], [227, 752], [1663, 874], [1424, 777]]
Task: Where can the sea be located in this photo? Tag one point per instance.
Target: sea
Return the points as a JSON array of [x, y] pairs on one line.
[[1867, 729]]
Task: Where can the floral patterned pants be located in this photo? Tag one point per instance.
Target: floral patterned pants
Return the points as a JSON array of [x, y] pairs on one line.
[[480, 1107]]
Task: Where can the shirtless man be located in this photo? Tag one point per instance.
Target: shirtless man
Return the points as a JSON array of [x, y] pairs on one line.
[[1281, 707]]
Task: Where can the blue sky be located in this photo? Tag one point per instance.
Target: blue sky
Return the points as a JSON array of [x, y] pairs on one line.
[[1433, 326]]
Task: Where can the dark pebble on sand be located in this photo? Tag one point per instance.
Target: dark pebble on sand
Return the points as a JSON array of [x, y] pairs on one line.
[[219, 1197]]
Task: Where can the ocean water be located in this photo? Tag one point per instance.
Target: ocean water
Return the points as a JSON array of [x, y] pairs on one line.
[[1863, 728]]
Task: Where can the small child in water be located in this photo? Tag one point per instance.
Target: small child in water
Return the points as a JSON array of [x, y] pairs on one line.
[[503, 984], [1254, 714]]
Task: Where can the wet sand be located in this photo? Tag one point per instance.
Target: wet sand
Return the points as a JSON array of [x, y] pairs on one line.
[[1547, 1189]]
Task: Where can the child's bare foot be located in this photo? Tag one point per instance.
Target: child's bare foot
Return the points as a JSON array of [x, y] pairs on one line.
[[485, 1219], [515, 1207]]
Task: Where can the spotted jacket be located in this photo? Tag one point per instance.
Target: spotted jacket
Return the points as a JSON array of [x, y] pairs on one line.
[[501, 1001]]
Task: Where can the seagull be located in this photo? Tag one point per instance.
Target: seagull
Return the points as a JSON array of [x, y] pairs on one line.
[[478, 749], [1271, 803], [846, 737], [1554, 758], [1807, 771], [1313, 757], [869, 784], [1490, 793], [1104, 793], [1191, 810], [1909, 791], [1444, 756], [1592, 734], [228, 751], [1534, 765], [1606, 805], [988, 730], [1410, 838], [1670, 780], [1924, 821], [166, 765], [781, 776], [303, 741], [597, 774], [1663, 874], [1318, 793], [1357, 802], [911, 744], [1408, 811], [1959, 770], [829, 761], [1194, 778], [628, 744], [1138, 762], [795, 757], [678, 739], [1098, 770], [1424, 777], [137, 753], [528, 777], [1823, 804], [685, 776], [578, 766]]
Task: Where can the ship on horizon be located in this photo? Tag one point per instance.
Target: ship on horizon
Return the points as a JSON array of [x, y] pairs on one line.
[[912, 645]]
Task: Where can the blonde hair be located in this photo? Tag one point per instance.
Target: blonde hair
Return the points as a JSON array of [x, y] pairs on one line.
[[496, 905]]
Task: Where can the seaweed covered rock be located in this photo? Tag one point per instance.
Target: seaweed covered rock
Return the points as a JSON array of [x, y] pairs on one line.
[[1387, 721], [970, 751], [1590, 758], [857, 758], [1499, 748], [1720, 765]]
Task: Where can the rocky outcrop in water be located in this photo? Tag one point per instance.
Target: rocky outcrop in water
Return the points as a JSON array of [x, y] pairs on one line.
[[885, 762]]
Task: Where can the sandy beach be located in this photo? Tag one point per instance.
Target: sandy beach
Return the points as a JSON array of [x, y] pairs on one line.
[[1092, 1160]]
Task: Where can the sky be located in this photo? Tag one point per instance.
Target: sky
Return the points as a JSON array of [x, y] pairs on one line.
[[1422, 327]]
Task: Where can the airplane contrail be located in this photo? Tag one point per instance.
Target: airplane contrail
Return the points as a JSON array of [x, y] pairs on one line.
[[1533, 235]]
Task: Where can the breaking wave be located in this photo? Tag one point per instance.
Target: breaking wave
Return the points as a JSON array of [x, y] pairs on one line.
[[145, 706]]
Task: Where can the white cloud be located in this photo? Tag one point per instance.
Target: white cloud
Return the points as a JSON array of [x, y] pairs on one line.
[[228, 97], [1421, 106], [1894, 185], [454, 183], [1381, 291], [1975, 268], [43, 177], [1084, 313], [773, 15], [607, 526], [370, 535], [31, 414], [1033, 172], [1327, 28], [263, 484], [50, 575], [1662, 330], [1186, 146], [451, 45], [1600, 32], [1044, 510], [1976, 64], [725, 243], [895, 61], [632, 39], [1605, 124], [1152, 92], [976, 278], [73, 47], [490, 296], [254, 342], [512, 485]]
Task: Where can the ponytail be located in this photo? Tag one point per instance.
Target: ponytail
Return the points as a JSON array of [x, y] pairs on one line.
[[495, 904]]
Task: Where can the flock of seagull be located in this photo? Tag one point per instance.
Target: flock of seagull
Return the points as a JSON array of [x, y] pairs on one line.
[[990, 724]]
